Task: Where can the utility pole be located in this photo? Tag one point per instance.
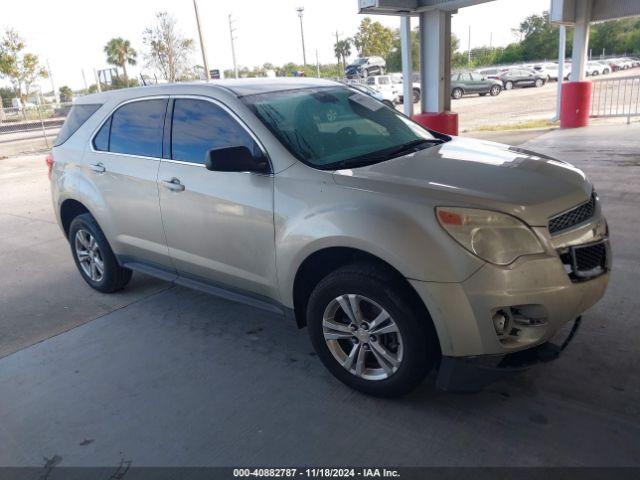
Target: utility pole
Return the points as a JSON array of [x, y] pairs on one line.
[[84, 79], [317, 63], [233, 48], [337, 55], [491, 40], [469, 50], [207, 74], [97, 77], [300, 11], [53, 85]]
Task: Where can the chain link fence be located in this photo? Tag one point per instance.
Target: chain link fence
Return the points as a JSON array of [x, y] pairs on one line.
[[31, 128]]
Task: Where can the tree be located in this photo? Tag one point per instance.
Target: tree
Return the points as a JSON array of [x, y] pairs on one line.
[[342, 49], [21, 68], [66, 94], [120, 53], [539, 37], [372, 38], [168, 50]]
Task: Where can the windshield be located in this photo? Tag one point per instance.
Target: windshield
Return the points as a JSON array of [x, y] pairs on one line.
[[337, 127]]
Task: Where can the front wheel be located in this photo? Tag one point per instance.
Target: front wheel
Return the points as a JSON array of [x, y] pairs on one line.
[[539, 83], [416, 95], [457, 93], [369, 333], [93, 256], [495, 90]]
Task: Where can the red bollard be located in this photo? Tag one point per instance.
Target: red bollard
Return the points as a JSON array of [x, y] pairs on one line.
[[576, 103], [443, 122]]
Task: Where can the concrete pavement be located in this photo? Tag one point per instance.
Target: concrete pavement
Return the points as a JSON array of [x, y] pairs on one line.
[[169, 376]]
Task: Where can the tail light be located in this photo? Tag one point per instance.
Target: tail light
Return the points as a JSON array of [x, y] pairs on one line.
[[49, 161]]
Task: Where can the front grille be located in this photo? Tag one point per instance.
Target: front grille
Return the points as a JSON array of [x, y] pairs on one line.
[[573, 217], [588, 258], [585, 261]]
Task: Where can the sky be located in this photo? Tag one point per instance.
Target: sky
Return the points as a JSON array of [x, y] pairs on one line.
[[71, 34]]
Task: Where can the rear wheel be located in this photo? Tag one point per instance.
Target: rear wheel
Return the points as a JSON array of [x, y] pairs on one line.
[[389, 103], [539, 83], [495, 90], [369, 333], [508, 85], [457, 93], [93, 256], [416, 95]]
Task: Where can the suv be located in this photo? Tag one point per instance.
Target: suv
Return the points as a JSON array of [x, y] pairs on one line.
[[401, 249], [366, 66], [522, 77]]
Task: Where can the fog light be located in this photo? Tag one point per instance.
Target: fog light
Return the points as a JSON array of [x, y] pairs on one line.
[[500, 321]]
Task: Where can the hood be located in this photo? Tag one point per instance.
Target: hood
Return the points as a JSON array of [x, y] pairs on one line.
[[481, 174]]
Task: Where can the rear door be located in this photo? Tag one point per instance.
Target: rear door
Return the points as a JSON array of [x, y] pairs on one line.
[[123, 163], [219, 225]]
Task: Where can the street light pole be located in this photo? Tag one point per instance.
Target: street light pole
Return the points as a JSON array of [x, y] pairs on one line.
[[233, 49], [207, 74], [300, 11]]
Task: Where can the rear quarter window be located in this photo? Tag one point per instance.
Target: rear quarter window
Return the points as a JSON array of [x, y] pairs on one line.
[[78, 115]]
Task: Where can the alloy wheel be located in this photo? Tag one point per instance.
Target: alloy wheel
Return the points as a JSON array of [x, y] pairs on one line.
[[89, 255], [362, 337]]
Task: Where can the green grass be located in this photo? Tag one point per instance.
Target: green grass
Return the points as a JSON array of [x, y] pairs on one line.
[[530, 124]]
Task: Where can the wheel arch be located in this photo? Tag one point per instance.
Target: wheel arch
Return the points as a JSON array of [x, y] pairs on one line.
[[322, 262], [70, 209]]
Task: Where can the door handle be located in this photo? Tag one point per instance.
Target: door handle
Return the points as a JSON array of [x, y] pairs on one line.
[[97, 167], [173, 185]]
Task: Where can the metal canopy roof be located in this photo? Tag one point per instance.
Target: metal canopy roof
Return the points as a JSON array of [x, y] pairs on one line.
[[413, 7]]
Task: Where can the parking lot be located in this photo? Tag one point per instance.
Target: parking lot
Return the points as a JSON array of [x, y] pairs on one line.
[[161, 375]]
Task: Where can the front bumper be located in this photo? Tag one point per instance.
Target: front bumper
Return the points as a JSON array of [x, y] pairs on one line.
[[471, 374]]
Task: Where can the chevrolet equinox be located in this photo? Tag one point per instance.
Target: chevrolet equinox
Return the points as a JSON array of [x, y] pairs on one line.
[[401, 249]]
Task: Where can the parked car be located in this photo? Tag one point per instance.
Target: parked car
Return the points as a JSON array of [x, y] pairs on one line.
[[386, 84], [520, 77], [594, 69], [492, 73], [415, 87], [547, 70], [366, 66], [386, 97], [402, 250], [468, 83]]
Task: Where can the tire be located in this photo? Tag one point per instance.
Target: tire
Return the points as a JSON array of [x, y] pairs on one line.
[[495, 90], [595, 73], [484, 94], [416, 95], [539, 83], [457, 93], [89, 243], [508, 85], [413, 344]]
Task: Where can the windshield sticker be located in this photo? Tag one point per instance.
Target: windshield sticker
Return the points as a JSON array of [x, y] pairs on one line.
[[366, 101]]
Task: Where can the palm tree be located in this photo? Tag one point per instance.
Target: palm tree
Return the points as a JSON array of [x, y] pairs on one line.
[[342, 49], [120, 53]]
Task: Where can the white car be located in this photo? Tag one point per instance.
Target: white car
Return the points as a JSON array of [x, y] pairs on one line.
[[594, 68], [385, 97], [387, 85], [550, 70]]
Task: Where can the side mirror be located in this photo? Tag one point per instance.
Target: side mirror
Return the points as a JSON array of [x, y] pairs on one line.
[[235, 159]]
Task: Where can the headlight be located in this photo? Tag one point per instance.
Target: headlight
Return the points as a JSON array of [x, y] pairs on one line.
[[495, 237]]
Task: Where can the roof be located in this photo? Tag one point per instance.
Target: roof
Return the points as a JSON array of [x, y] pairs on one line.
[[238, 87]]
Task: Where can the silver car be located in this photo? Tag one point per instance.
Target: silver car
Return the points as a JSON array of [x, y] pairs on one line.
[[402, 250]]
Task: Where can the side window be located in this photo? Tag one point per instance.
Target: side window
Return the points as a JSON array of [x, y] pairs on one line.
[[136, 128], [101, 140], [384, 81], [199, 126]]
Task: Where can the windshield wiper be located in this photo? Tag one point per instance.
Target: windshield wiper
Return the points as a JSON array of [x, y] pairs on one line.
[[382, 155]]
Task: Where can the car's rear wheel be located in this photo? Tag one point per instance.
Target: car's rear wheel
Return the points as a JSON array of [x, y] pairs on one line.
[[93, 256], [508, 85], [539, 83], [495, 90], [389, 103], [416, 95], [369, 333], [457, 93]]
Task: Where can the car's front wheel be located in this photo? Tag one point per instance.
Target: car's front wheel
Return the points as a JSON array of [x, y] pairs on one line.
[[457, 93], [369, 333], [495, 90], [93, 256], [416, 95]]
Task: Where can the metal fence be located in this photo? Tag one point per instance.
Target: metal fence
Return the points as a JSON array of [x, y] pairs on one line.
[[616, 97], [30, 128]]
